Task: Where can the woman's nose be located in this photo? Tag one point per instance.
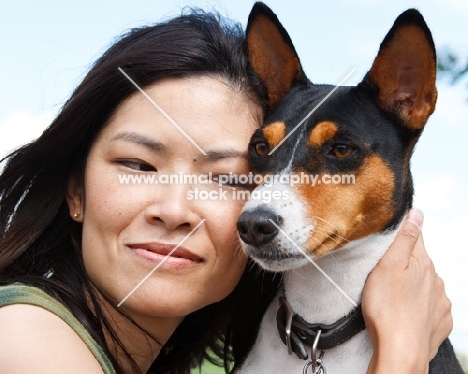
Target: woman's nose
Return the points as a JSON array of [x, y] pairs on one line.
[[173, 209]]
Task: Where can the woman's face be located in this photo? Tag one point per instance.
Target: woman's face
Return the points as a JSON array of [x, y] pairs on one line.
[[129, 226]]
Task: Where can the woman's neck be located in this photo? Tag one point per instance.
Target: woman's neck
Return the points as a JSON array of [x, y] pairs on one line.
[[139, 337]]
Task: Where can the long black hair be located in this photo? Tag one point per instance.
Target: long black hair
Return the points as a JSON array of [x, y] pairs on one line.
[[37, 235]]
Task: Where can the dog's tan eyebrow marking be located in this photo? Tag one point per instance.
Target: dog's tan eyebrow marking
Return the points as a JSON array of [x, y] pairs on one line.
[[274, 133], [322, 132]]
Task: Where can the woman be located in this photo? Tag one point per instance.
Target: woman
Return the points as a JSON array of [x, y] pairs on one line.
[[69, 226]]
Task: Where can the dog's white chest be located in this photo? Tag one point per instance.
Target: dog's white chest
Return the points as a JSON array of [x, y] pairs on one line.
[[317, 300], [270, 355]]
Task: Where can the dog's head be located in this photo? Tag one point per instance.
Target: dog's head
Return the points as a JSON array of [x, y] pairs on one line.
[[354, 143]]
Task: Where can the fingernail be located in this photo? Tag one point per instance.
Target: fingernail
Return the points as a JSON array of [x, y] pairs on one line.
[[416, 217]]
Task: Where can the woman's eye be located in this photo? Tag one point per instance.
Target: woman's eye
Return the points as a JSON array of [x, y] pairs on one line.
[[342, 150], [137, 165]]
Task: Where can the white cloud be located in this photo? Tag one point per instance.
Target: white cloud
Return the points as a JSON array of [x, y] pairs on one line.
[[20, 128], [457, 6], [435, 194], [452, 107], [443, 237], [441, 197]]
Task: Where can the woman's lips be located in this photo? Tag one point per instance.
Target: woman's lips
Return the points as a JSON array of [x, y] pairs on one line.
[[157, 252]]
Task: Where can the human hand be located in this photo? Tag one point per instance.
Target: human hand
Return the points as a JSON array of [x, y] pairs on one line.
[[407, 312]]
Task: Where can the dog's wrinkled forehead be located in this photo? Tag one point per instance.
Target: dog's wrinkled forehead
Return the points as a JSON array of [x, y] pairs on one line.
[[300, 132], [365, 133], [395, 97]]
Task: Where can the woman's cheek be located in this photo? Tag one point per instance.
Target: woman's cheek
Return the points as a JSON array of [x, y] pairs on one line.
[[224, 218], [228, 212]]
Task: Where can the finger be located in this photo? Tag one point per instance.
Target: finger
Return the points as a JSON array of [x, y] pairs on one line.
[[422, 258], [416, 217], [405, 241], [419, 250]]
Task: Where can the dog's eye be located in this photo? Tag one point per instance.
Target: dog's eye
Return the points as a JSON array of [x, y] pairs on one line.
[[261, 149], [342, 150]]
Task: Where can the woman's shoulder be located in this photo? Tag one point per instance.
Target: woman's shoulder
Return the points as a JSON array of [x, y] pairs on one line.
[[35, 336], [33, 339]]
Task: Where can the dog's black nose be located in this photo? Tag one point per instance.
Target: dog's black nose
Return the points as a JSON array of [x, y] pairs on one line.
[[255, 226]]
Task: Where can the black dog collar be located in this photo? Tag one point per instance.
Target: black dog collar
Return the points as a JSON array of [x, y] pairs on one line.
[[296, 333]]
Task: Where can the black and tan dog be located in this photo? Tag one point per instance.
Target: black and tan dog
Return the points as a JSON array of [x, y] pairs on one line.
[[369, 132]]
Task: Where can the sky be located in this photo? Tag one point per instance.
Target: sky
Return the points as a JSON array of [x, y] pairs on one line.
[[47, 47]]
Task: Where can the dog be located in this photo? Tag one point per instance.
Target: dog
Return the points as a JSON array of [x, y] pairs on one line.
[[368, 131]]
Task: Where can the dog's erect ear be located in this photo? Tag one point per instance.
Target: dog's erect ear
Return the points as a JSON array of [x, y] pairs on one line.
[[271, 53], [404, 71]]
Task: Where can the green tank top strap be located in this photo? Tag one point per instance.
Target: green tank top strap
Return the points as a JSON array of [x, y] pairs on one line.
[[22, 294]]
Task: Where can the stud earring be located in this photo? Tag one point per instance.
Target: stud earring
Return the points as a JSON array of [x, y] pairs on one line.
[[76, 215]]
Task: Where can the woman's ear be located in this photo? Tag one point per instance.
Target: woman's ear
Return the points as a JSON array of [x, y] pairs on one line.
[[74, 198]]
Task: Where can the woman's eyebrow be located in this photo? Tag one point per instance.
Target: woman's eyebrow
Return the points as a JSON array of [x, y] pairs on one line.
[[136, 138], [210, 156], [215, 155]]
